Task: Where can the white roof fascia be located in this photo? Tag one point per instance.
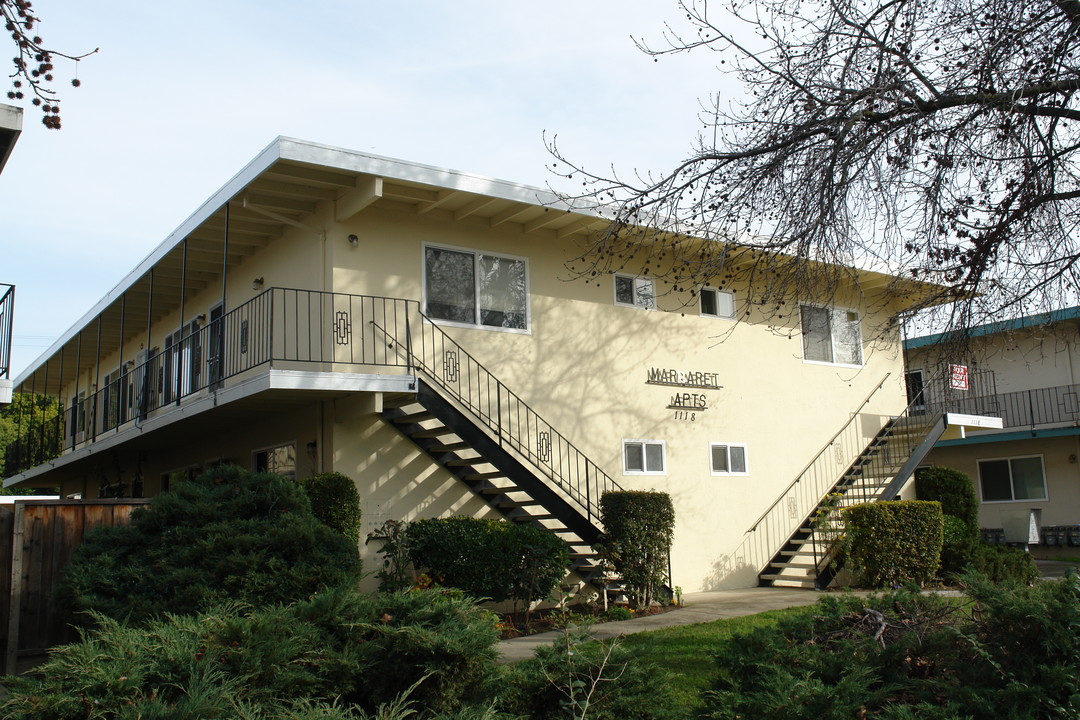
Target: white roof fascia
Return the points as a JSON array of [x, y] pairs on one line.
[[301, 151]]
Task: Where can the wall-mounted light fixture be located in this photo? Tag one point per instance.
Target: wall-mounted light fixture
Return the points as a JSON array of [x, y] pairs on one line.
[[256, 283], [354, 241], [311, 448]]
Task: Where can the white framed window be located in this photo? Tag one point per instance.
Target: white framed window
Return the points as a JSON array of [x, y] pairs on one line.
[[717, 303], [728, 458], [636, 292], [1010, 479], [644, 457], [831, 335], [476, 289], [279, 459]]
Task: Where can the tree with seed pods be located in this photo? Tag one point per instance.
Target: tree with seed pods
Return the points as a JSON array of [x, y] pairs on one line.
[[935, 139], [34, 69]]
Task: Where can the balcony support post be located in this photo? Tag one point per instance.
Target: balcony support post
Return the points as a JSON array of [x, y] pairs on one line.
[[97, 381]]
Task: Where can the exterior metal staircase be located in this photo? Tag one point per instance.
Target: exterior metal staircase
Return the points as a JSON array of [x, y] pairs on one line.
[[808, 558], [471, 424]]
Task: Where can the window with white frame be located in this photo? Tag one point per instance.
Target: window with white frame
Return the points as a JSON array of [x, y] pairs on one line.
[[1007, 479], [633, 291], [717, 303], [476, 288], [728, 458], [643, 457], [280, 460], [831, 335]]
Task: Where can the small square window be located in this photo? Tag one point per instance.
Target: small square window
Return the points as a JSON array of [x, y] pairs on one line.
[[280, 460], [643, 457], [717, 303], [728, 458], [635, 292]]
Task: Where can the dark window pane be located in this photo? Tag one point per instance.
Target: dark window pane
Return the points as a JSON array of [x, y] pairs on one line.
[[450, 285], [994, 480]]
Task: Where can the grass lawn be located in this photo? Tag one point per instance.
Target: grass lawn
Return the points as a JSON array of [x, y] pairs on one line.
[[687, 651]]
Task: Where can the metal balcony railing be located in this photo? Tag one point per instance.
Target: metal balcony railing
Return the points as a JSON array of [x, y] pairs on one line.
[[322, 331]]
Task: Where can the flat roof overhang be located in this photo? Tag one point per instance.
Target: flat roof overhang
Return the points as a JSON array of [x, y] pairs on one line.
[[273, 391], [11, 120], [282, 187]]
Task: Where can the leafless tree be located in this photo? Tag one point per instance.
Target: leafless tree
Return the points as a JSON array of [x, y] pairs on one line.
[[933, 138], [33, 62]]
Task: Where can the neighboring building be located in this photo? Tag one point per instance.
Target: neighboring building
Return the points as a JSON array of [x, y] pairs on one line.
[[10, 129], [1027, 372], [415, 328]]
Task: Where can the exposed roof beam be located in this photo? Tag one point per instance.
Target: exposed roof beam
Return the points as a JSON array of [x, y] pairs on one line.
[[279, 218], [278, 203], [509, 214], [544, 220], [403, 192], [475, 206], [444, 195], [310, 176], [579, 226], [368, 190], [292, 190]]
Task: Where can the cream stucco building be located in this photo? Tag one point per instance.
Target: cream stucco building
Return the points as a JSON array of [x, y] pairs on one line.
[[1027, 372], [416, 329]]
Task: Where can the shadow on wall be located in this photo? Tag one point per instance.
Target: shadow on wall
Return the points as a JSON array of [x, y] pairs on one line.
[[730, 571]]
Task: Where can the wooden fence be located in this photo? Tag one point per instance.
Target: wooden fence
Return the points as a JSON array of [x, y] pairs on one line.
[[37, 541]]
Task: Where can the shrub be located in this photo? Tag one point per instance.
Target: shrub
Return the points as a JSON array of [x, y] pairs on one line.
[[1014, 653], [1004, 564], [491, 559], [229, 535], [893, 543], [324, 657], [574, 678], [335, 502], [638, 529], [394, 574], [956, 493], [954, 490]]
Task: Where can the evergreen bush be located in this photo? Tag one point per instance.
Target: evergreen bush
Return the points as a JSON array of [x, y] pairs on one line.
[[338, 652], [1007, 653], [1004, 564], [956, 493], [574, 678], [893, 543], [335, 502], [228, 535], [638, 530], [488, 559]]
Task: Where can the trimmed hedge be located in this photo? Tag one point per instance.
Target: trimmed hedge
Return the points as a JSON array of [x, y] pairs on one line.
[[335, 502], [228, 535], [488, 559], [894, 543], [1003, 564], [638, 530], [954, 490]]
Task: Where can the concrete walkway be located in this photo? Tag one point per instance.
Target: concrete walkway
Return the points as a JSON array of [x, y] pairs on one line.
[[697, 608], [708, 606]]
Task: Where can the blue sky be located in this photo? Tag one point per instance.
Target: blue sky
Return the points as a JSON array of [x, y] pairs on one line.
[[182, 95]]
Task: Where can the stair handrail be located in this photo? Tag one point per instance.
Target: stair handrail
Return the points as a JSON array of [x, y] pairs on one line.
[[824, 449], [588, 500]]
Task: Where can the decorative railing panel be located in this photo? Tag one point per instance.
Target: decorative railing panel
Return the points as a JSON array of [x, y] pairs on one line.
[[319, 331]]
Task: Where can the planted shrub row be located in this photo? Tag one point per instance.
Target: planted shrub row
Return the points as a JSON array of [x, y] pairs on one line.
[[893, 543]]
